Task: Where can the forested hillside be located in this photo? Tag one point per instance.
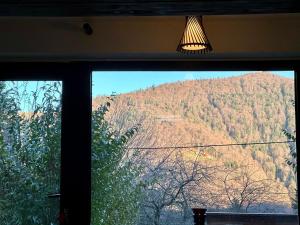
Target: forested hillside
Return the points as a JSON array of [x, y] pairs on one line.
[[250, 108]]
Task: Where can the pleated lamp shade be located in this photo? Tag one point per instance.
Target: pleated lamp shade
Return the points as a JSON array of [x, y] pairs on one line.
[[194, 39]]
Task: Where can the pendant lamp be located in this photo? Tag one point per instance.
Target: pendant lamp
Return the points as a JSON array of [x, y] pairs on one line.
[[194, 39]]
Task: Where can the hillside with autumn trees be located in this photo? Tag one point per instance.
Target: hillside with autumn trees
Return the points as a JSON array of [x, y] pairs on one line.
[[254, 107]]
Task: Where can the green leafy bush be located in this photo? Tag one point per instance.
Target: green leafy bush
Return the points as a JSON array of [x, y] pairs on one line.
[[30, 148], [29, 157], [116, 190]]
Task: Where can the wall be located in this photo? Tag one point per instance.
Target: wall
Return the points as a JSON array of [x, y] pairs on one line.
[[115, 38]]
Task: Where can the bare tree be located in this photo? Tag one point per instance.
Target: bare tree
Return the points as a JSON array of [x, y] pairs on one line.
[[244, 188], [170, 183]]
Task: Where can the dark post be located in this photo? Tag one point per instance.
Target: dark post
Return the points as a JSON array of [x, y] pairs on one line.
[[76, 147], [199, 216], [297, 73]]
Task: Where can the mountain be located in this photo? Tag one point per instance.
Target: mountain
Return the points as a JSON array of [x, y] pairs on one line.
[[254, 107]]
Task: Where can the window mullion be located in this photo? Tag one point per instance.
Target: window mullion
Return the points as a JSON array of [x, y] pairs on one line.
[[76, 145]]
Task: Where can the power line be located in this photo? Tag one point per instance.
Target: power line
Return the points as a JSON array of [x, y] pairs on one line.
[[211, 145], [267, 193]]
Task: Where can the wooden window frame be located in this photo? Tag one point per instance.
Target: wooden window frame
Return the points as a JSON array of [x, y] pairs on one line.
[[75, 199]]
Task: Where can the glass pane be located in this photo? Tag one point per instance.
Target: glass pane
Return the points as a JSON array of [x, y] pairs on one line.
[[30, 143], [164, 143]]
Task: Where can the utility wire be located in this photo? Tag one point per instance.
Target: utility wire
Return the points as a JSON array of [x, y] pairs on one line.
[[270, 193], [213, 145]]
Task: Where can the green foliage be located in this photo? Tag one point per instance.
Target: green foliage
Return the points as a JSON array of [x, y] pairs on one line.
[[29, 158], [30, 162], [214, 153], [116, 191], [231, 164], [292, 162]]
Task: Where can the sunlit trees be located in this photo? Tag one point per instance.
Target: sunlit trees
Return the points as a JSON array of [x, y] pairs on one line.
[[29, 157], [116, 189], [292, 161], [30, 161]]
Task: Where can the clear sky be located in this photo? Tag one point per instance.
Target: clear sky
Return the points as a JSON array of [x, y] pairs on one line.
[[107, 82], [24, 90]]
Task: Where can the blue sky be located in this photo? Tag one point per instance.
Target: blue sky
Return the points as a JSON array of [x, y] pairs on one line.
[[107, 82], [25, 90]]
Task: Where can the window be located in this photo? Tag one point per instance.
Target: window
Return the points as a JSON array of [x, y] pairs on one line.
[[164, 142], [148, 127], [67, 195]]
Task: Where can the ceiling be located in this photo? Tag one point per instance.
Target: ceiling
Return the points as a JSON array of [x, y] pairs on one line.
[[75, 8]]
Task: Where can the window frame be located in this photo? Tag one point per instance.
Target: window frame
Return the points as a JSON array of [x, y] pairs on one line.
[[75, 156], [75, 204]]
